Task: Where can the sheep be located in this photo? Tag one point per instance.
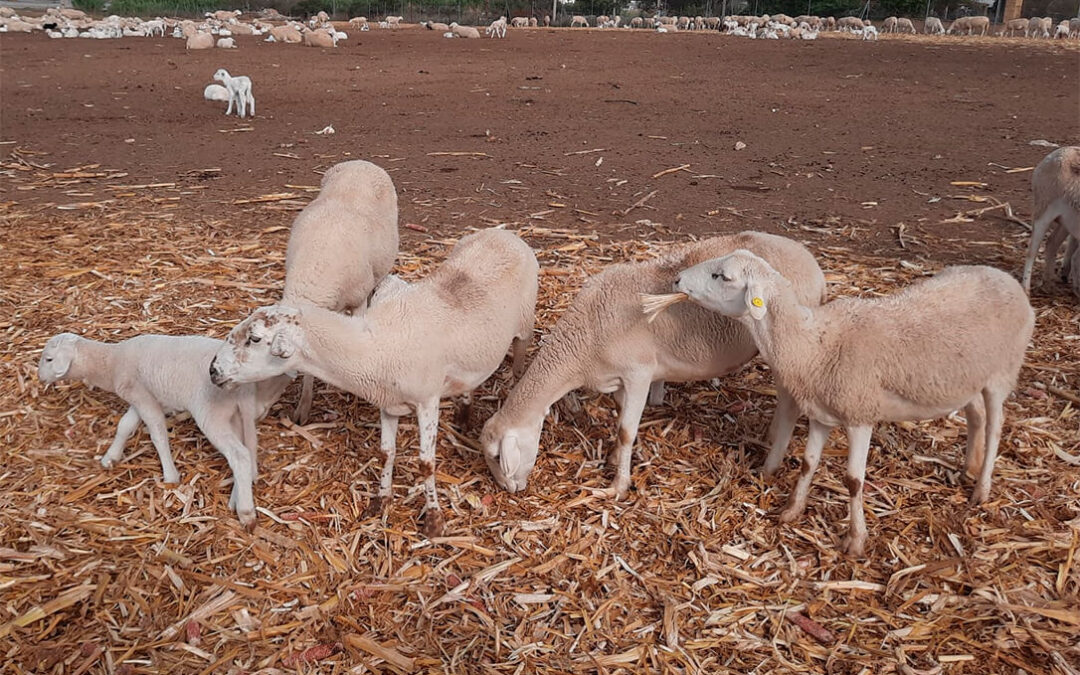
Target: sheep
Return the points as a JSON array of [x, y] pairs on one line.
[[479, 302], [341, 245], [578, 20], [533, 23], [1014, 25], [1062, 30], [359, 21], [287, 34], [637, 22], [944, 350], [518, 22], [200, 41], [497, 29], [889, 25], [239, 88], [869, 33], [441, 27], [1055, 191], [1040, 26], [393, 21], [464, 31], [904, 25], [320, 38], [605, 343], [547, 20], [1074, 27], [216, 92], [970, 24], [226, 43], [158, 375], [849, 23], [933, 26]]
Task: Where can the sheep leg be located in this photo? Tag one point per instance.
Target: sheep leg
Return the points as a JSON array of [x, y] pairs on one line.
[[250, 434], [464, 413], [858, 448], [632, 400], [303, 408], [127, 426], [993, 401], [1070, 259], [242, 500], [815, 443], [152, 414], [781, 429], [656, 393], [976, 437], [1038, 232], [388, 425], [232, 96], [251, 102], [1056, 236], [518, 347], [427, 418]]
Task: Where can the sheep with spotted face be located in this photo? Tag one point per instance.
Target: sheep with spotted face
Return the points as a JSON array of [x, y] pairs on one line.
[[603, 342], [441, 336], [919, 354], [158, 375]]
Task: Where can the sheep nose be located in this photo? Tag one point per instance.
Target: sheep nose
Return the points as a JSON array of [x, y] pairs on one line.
[[215, 376], [678, 281]]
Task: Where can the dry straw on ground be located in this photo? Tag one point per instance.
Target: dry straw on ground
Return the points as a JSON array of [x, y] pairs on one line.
[[111, 571]]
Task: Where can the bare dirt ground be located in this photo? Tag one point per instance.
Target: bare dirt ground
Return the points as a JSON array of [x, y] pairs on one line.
[[130, 205]]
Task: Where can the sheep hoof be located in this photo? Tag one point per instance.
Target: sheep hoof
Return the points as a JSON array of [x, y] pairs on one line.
[[373, 509], [791, 513], [247, 519], [614, 493], [433, 524], [172, 477], [853, 546], [108, 462], [979, 496]]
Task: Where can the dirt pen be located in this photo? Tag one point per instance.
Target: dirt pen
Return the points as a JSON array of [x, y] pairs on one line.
[[131, 205]]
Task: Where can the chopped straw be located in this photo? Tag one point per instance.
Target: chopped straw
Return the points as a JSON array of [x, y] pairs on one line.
[[653, 305]]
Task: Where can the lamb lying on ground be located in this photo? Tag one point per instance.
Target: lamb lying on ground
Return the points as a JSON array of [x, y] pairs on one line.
[[441, 336], [603, 342], [158, 375], [954, 341]]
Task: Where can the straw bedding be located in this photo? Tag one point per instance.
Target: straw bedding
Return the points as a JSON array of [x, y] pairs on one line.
[[112, 571]]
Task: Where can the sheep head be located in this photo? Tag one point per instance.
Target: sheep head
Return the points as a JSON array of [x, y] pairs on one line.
[[57, 357], [262, 346], [510, 453], [736, 285]]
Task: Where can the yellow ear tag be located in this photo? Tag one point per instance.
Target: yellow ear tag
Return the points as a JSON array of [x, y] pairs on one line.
[[757, 302]]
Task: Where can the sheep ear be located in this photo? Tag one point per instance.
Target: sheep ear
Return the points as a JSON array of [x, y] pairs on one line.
[[509, 455], [281, 346], [755, 300], [61, 363]]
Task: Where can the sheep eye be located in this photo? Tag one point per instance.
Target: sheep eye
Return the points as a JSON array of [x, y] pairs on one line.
[[254, 339], [48, 359]]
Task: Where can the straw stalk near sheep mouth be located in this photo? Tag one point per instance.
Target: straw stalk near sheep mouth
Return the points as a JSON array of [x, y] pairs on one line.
[[653, 305]]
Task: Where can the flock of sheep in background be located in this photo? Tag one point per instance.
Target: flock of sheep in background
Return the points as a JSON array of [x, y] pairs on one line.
[[343, 318], [218, 28]]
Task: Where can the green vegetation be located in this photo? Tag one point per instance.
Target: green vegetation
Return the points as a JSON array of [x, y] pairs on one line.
[[92, 6]]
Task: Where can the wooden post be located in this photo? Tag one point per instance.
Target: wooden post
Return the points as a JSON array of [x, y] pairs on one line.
[[1013, 10]]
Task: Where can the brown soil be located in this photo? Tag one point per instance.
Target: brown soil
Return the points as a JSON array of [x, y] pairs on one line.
[[838, 132]]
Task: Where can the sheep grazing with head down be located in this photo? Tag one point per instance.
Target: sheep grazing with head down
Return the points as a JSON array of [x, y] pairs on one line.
[[158, 375], [1055, 190], [603, 342], [341, 246], [954, 341], [239, 88], [441, 336]]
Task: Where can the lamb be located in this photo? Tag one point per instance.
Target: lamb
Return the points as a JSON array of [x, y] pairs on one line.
[[393, 21], [239, 88], [904, 25], [497, 29], [200, 41], [869, 33], [158, 375], [341, 245], [1055, 190], [579, 20], [933, 26], [533, 23], [464, 31], [226, 43], [479, 302], [889, 25], [945, 352], [603, 342]]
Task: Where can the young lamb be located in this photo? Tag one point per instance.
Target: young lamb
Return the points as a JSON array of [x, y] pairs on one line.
[[497, 29], [239, 88], [869, 33], [1055, 190], [158, 375], [441, 336], [216, 92], [919, 354], [603, 342], [341, 245], [227, 43]]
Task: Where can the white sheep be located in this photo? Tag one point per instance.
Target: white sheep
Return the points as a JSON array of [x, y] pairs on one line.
[[497, 29], [229, 43], [341, 245], [904, 25], [1055, 190], [869, 33], [239, 88], [1062, 31], [954, 341], [441, 336], [889, 25], [200, 41], [158, 375], [578, 20], [933, 26], [603, 342], [216, 92], [464, 31]]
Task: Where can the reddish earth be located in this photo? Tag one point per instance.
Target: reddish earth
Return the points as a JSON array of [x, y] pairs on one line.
[[838, 132]]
